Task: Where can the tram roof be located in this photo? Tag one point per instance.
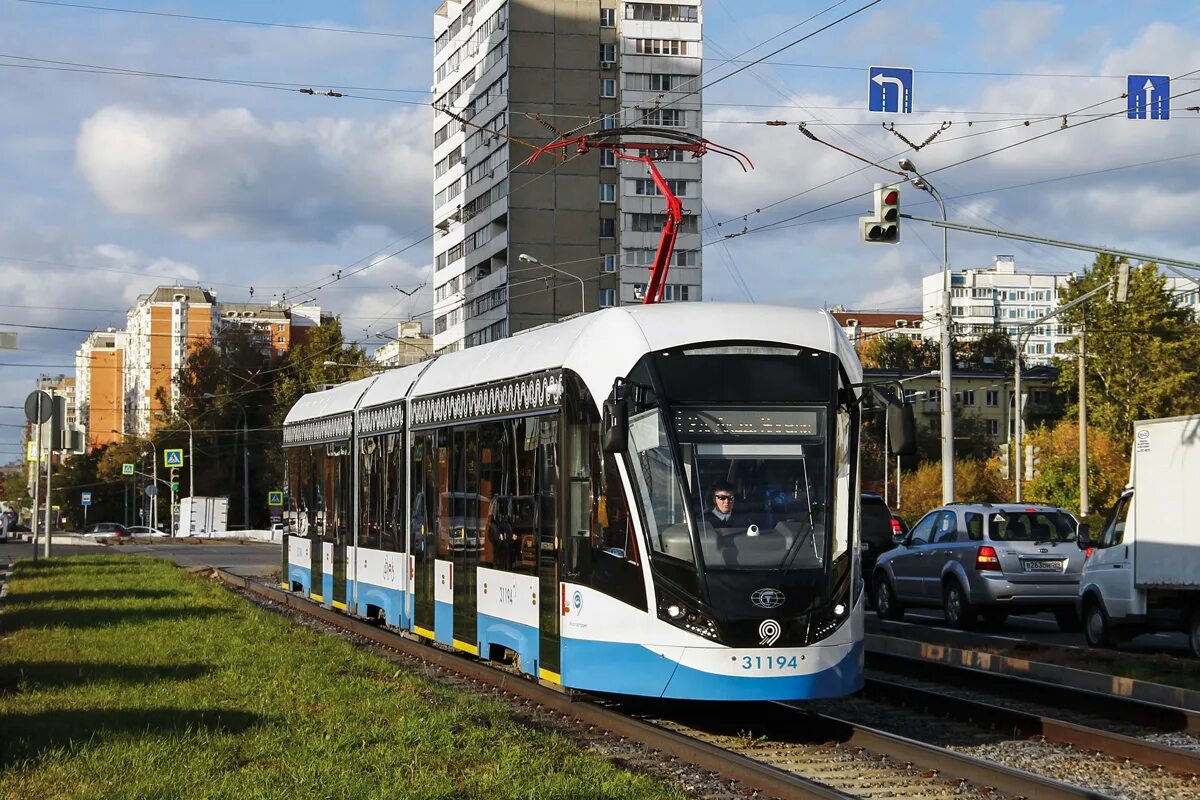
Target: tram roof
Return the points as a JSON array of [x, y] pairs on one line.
[[597, 346], [340, 399]]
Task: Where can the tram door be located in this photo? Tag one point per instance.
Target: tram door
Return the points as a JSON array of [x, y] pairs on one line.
[[424, 524], [548, 525]]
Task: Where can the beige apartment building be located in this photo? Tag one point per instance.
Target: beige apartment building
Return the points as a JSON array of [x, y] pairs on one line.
[[99, 384], [532, 70]]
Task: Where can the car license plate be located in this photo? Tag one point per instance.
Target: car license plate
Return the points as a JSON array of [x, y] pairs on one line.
[[1044, 565]]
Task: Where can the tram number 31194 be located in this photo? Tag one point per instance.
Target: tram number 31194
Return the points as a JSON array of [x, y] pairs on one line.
[[769, 662]]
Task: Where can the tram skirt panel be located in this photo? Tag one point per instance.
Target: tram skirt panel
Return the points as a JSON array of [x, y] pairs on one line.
[[443, 602], [299, 570], [507, 615], [382, 585]]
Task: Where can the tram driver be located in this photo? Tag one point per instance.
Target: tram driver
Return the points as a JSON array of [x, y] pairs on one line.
[[722, 516]]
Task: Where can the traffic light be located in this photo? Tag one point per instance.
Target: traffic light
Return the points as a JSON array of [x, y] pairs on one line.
[[1005, 467], [1032, 459], [174, 480], [884, 226]]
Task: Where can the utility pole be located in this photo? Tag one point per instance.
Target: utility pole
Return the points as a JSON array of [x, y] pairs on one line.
[[947, 359], [1083, 448]]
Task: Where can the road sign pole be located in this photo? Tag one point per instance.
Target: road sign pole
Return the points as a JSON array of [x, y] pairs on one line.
[[49, 471], [37, 481]]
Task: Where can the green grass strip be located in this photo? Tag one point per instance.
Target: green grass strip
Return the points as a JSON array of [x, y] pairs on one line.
[[125, 677]]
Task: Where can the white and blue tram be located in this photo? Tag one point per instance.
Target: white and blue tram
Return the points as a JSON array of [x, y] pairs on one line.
[[543, 499]]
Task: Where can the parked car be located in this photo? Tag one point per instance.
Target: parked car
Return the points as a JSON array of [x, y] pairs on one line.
[[114, 529], [143, 530], [879, 530], [979, 558]]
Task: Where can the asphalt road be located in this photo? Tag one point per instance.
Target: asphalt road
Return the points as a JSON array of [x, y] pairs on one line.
[[250, 559]]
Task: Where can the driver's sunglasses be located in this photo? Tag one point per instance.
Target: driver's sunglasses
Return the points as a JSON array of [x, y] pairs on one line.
[[723, 496]]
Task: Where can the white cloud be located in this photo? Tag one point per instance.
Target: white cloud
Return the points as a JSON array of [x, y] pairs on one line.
[[1011, 31], [229, 173]]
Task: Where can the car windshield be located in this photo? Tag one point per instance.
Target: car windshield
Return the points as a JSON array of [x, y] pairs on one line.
[[755, 483], [1032, 526]]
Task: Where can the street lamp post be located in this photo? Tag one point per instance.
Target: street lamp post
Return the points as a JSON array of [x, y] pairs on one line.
[[947, 359], [528, 259], [245, 461]]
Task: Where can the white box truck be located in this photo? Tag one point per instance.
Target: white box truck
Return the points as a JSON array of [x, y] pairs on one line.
[[1142, 572], [202, 516]]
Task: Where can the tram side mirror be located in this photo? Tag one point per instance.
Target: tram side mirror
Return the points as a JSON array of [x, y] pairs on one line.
[[616, 426], [902, 429]]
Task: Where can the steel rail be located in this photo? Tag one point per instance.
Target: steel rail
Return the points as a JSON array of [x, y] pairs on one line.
[[1117, 745], [943, 761], [986, 671], [767, 780]]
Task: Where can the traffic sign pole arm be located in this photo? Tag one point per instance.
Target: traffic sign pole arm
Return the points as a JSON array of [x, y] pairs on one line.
[[1169, 263]]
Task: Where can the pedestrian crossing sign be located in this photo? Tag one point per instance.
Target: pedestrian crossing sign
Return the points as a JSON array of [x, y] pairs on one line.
[[274, 498], [127, 469], [173, 458]]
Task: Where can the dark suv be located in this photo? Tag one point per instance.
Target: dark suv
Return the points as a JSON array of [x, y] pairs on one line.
[[879, 529]]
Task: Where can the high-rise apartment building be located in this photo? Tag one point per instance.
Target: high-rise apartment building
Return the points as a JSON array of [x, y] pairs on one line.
[[99, 387], [163, 327], [1000, 298], [532, 70]]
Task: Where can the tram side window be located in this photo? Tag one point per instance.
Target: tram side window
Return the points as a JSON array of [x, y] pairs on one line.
[[373, 467], [549, 475], [394, 509]]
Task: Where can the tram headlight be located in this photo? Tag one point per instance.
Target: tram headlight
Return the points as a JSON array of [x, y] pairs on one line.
[[684, 615]]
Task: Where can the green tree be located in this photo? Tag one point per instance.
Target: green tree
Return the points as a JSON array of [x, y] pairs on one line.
[[303, 368], [992, 350], [900, 353], [1143, 356]]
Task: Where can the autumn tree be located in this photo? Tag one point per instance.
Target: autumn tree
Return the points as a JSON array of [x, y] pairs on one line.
[[975, 480], [1143, 356], [1057, 479]]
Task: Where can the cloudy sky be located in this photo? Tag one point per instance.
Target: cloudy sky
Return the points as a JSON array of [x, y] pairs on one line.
[[141, 145]]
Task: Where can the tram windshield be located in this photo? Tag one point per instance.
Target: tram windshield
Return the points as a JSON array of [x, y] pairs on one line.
[[752, 484]]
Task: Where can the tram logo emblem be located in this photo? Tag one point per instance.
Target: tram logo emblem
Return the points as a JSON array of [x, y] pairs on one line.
[[768, 598], [768, 632]]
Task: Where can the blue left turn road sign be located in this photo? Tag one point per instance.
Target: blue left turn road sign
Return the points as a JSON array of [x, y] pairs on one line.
[[890, 89]]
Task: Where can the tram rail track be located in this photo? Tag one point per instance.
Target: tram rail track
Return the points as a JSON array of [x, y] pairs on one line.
[[844, 758], [1028, 724]]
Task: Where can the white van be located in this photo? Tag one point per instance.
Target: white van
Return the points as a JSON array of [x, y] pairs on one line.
[[1142, 571]]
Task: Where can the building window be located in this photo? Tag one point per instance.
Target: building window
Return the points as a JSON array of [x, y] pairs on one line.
[[968, 397], [610, 263], [993, 398], [608, 193], [608, 87], [608, 53], [608, 18], [608, 158], [993, 427], [607, 298], [608, 122], [607, 228]]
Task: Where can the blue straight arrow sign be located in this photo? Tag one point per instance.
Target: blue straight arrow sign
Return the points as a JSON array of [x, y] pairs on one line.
[[890, 90], [1148, 97]]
